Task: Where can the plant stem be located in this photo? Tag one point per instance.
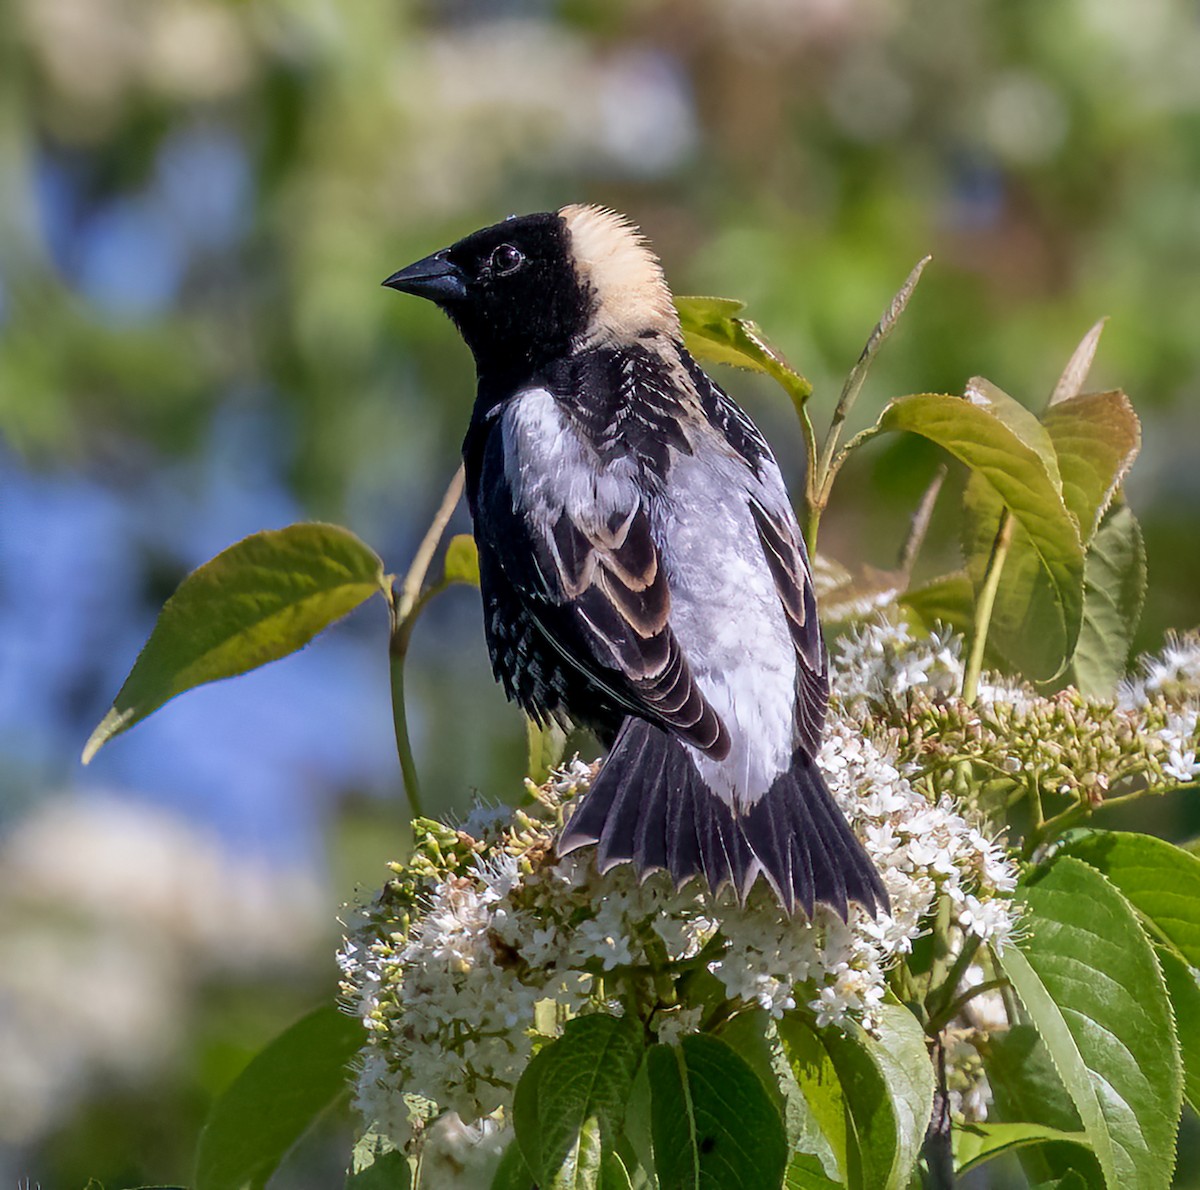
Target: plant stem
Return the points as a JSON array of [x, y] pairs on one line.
[[948, 1014], [939, 1153], [941, 995], [1055, 825], [821, 474], [404, 609], [918, 526], [1121, 799], [410, 589], [984, 604], [397, 651]]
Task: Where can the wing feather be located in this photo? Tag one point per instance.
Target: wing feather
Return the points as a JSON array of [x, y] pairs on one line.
[[573, 538], [788, 564], [613, 586]]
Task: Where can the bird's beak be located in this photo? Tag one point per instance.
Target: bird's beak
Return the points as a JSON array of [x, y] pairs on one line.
[[435, 278]]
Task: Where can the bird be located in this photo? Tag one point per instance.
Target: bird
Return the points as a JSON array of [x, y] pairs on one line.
[[641, 568]]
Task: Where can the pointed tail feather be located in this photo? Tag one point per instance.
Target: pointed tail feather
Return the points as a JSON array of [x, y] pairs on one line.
[[650, 806]]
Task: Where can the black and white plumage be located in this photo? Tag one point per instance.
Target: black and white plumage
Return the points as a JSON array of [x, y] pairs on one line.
[[641, 567]]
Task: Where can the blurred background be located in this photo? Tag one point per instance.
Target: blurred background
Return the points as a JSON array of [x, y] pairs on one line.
[[198, 200]]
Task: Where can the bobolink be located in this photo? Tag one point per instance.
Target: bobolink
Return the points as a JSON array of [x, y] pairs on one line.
[[641, 566]]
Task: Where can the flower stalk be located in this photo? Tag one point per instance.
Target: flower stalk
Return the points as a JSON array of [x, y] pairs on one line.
[[404, 607]]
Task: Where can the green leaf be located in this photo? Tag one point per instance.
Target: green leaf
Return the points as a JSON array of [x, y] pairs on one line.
[[1026, 1087], [378, 1165], [613, 1174], [570, 1102], [257, 601], [1075, 374], [1089, 981], [512, 1173], [1027, 629], [1114, 590], [272, 1103], [1161, 881], [976, 1143], [638, 1134], [805, 1172], [1014, 463], [1096, 437], [713, 332], [1183, 987], [546, 747], [462, 560], [753, 1037], [821, 1086], [872, 1097], [1071, 1180], [902, 1057], [714, 1126], [949, 600]]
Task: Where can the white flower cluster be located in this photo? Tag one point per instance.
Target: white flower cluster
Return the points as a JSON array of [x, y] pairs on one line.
[[508, 941], [1179, 736], [1172, 676], [883, 659]]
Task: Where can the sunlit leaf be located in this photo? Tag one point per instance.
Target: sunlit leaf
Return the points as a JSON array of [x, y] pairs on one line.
[[714, 1126], [1161, 881], [871, 1096], [898, 1046], [1088, 979], [257, 601], [976, 1143], [1114, 590], [713, 332], [1014, 464], [273, 1102], [948, 600], [820, 1084], [1096, 437], [462, 560], [753, 1037], [571, 1100], [805, 1172]]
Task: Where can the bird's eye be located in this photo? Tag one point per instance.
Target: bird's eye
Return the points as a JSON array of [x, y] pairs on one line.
[[506, 259]]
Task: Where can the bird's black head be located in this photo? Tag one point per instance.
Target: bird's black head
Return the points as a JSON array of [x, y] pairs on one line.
[[531, 290], [511, 290]]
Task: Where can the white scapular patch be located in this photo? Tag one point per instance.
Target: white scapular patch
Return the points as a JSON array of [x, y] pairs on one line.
[[613, 258], [552, 470], [726, 615]]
